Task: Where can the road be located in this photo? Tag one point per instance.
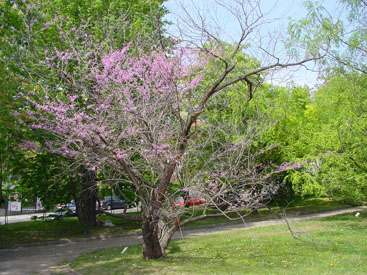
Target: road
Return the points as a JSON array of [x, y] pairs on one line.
[[43, 258]]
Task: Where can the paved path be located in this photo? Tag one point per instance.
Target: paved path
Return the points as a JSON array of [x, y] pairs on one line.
[[21, 217], [27, 217], [41, 258]]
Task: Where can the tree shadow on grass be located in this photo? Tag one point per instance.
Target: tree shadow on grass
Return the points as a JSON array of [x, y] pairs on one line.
[[173, 249]]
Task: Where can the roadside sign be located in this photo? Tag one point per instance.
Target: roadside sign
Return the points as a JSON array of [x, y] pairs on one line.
[[15, 206], [39, 204]]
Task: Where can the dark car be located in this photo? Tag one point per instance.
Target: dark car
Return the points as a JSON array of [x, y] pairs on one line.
[[112, 202]]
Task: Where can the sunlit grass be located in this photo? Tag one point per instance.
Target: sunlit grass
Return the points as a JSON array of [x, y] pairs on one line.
[[334, 245], [296, 207]]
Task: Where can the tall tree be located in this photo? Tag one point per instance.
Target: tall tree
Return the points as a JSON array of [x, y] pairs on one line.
[[31, 29], [338, 166], [10, 84], [289, 131]]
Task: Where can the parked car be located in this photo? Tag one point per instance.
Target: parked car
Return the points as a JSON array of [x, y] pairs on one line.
[[112, 202], [71, 205], [59, 206], [194, 201], [63, 211], [180, 201]]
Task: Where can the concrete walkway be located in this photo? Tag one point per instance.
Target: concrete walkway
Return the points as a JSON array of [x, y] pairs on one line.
[[21, 217], [27, 217], [43, 258]]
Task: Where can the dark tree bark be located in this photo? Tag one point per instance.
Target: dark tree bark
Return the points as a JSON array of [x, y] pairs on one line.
[[150, 229], [85, 199], [157, 232], [1, 182]]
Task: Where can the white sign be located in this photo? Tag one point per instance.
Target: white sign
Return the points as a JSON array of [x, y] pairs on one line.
[[39, 205], [15, 206]]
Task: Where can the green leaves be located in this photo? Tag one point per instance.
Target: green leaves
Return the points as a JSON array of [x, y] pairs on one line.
[[30, 33], [337, 147], [338, 34]]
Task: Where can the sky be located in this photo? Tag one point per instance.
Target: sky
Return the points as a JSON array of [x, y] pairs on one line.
[[280, 11]]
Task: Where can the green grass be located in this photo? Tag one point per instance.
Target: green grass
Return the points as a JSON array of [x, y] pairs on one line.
[[299, 206], [339, 247], [37, 231]]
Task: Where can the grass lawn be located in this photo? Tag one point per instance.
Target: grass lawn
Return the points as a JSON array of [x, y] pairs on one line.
[[37, 231], [299, 206], [334, 245]]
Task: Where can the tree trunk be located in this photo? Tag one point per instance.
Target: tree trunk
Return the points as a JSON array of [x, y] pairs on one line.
[[1, 181], [85, 199], [88, 197], [151, 246], [166, 233], [156, 236]]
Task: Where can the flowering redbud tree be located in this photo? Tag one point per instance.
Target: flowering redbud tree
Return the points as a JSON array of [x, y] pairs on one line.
[[141, 115], [141, 121]]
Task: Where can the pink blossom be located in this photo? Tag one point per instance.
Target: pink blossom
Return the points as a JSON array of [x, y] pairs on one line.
[[120, 155], [35, 126]]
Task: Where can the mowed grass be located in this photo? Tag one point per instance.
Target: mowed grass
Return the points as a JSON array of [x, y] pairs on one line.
[[67, 228], [333, 245], [40, 231], [297, 207]]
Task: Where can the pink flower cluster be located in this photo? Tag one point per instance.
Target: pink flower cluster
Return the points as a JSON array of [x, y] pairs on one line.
[[131, 108]]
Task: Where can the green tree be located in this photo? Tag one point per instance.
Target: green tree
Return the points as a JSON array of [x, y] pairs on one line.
[[343, 29], [288, 133], [342, 105], [10, 84], [37, 27], [328, 135], [337, 168]]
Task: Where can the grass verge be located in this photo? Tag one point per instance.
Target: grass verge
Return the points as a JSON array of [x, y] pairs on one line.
[[296, 207], [38, 231], [51, 230], [333, 245]]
